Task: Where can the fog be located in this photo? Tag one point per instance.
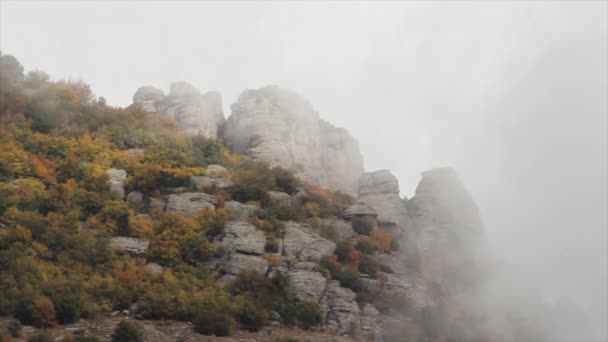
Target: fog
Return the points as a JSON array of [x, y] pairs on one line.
[[511, 94]]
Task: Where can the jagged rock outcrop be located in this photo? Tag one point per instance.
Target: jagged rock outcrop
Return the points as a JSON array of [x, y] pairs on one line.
[[196, 113], [244, 238], [282, 128], [380, 191], [306, 281], [303, 244], [448, 227]]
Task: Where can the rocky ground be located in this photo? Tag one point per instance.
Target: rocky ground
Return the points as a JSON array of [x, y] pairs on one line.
[[165, 331]]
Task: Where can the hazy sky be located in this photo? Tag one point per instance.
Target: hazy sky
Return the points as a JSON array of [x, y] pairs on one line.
[[512, 94]]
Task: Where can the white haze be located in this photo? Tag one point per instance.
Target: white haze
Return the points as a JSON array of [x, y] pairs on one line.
[[512, 94]]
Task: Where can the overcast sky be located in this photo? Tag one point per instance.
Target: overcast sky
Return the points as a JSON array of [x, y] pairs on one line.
[[512, 94]]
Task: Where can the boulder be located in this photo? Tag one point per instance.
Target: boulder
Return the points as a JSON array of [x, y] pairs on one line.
[[233, 263], [136, 198], [203, 183], [190, 203], [217, 171], [130, 245], [280, 127], [341, 309], [305, 245], [116, 182], [243, 237], [280, 199], [195, 112], [306, 281], [240, 211], [154, 268]]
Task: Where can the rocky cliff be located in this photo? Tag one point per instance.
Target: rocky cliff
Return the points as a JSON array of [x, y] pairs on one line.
[[280, 127], [196, 113], [270, 124]]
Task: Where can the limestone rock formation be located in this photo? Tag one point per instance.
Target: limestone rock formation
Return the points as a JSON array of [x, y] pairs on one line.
[[306, 281], [282, 128], [305, 245], [190, 203], [380, 191], [197, 113], [342, 311], [448, 227], [243, 246], [244, 238]]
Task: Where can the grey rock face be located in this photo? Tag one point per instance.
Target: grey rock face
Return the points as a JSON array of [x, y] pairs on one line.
[[340, 157], [280, 127], [130, 245], [190, 203], [147, 97], [239, 210], [243, 246], [380, 191], [344, 229], [341, 308], [306, 282], [116, 182], [196, 113], [303, 244], [243, 237], [234, 263], [448, 228], [279, 198], [202, 183]]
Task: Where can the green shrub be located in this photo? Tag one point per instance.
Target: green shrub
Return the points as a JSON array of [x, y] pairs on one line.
[[343, 250], [213, 320], [272, 245], [366, 247], [394, 245], [308, 313], [248, 192], [362, 225], [86, 338], [127, 331], [285, 180], [250, 316], [69, 304], [14, 327], [39, 338], [369, 265]]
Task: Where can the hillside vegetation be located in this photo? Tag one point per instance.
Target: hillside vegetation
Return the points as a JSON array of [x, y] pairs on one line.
[[58, 215]]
